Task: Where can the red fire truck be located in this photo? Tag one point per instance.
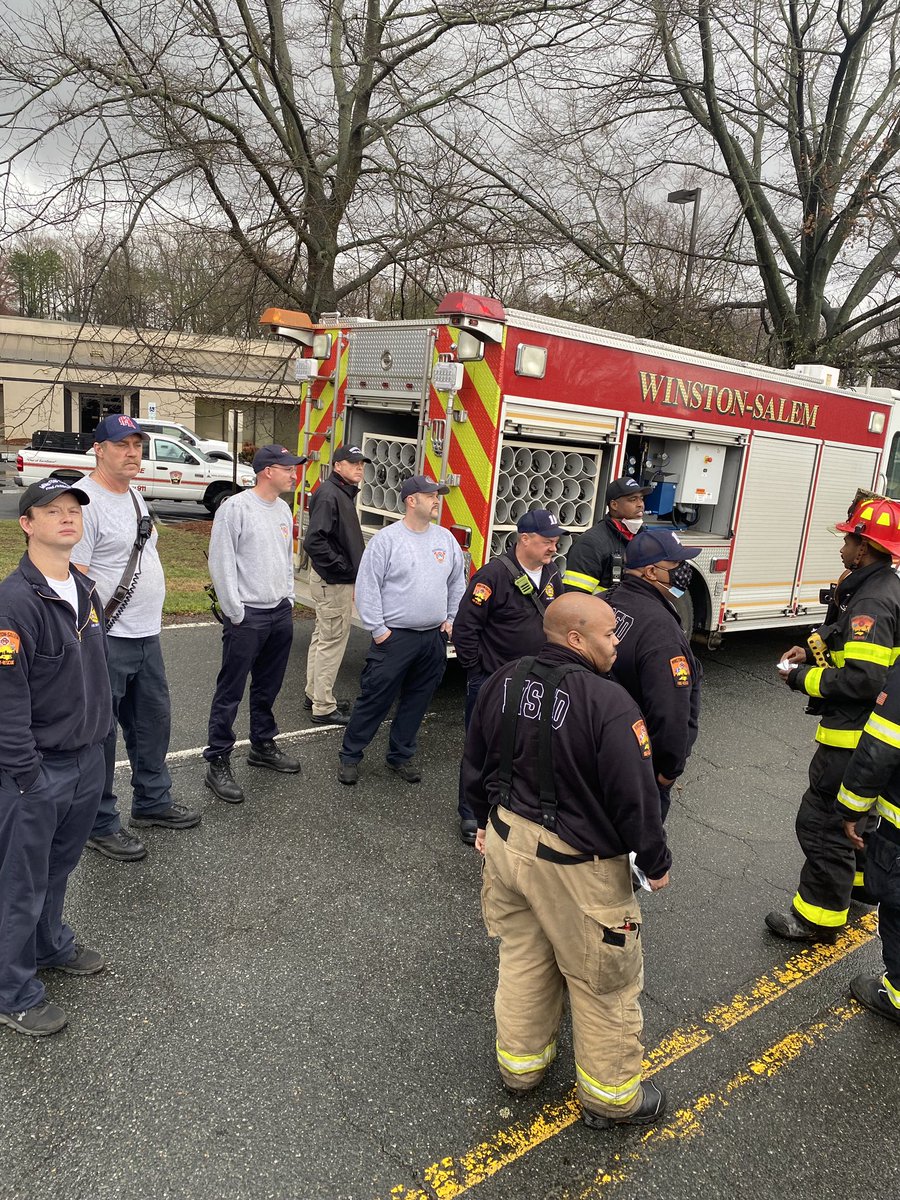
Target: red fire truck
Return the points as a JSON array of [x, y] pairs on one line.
[[517, 411]]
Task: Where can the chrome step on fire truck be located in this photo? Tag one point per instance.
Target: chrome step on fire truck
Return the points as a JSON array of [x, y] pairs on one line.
[[517, 411]]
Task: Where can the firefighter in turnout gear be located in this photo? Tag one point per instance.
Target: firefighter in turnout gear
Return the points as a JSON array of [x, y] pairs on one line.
[[558, 771], [594, 562], [872, 785], [859, 642]]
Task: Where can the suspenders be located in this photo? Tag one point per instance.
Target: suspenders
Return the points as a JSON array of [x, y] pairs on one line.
[[551, 677]]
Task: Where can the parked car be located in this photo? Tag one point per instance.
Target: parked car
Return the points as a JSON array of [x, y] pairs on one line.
[[180, 433], [170, 470]]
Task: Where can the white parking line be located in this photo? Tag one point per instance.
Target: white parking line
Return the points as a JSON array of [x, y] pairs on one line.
[[196, 751]]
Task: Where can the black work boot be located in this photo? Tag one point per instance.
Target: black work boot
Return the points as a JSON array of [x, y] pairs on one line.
[[648, 1112], [793, 928], [272, 757], [870, 991], [220, 780]]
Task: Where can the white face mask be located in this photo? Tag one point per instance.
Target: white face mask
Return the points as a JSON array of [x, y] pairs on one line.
[[633, 524]]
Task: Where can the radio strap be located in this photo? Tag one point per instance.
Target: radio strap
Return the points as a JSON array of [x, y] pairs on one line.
[[523, 584], [118, 601]]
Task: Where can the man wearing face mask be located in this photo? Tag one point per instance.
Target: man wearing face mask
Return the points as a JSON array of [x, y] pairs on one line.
[[595, 560], [654, 662], [856, 645]]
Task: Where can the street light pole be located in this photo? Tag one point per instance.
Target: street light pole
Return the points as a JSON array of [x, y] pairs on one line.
[[688, 196]]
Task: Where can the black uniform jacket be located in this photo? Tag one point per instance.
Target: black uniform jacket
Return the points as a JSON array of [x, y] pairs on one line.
[[872, 779], [655, 665], [608, 801], [862, 632], [589, 563], [54, 685], [334, 540], [496, 622]]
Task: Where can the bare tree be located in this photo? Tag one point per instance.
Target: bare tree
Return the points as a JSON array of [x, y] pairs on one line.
[[797, 105], [285, 123]]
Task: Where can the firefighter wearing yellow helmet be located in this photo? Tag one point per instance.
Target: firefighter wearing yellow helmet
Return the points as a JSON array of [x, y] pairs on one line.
[[842, 670]]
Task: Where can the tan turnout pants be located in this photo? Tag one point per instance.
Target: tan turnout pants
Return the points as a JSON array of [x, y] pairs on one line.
[[334, 608], [575, 925]]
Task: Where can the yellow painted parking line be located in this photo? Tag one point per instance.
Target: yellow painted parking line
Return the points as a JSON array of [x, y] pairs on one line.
[[689, 1122], [451, 1177]]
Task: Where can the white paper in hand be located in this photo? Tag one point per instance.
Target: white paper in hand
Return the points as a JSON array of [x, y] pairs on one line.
[[639, 877]]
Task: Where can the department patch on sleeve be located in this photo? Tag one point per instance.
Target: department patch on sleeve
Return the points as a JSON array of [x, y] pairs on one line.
[[681, 672], [861, 627], [639, 729], [9, 647], [481, 593]]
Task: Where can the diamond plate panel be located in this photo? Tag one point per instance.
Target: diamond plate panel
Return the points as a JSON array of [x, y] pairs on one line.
[[385, 355]]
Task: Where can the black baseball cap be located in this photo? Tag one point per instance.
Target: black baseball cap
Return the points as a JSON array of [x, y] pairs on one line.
[[539, 520], [116, 427], [43, 491], [657, 545], [421, 483], [351, 454], [626, 486], [276, 456]]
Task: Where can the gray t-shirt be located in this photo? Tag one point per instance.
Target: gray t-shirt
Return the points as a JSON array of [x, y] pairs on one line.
[[250, 554], [409, 579], [110, 527]]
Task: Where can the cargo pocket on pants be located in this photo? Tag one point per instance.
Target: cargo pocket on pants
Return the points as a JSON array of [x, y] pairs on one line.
[[612, 948]]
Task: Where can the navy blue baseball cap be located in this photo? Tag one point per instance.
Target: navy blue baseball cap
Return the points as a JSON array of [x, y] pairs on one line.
[[626, 486], [539, 520], [276, 456], [421, 483], [657, 545], [116, 427]]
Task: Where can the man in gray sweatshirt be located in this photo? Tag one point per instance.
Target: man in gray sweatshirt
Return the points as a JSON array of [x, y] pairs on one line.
[[408, 588], [252, 571]]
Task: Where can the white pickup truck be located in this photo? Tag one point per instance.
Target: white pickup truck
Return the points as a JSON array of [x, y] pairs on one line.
[[170, 470]]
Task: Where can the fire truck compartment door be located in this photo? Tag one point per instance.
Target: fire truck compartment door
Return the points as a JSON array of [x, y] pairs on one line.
[[684, 429], [387, 367], [770, 526], [523, 417], [843, 470]]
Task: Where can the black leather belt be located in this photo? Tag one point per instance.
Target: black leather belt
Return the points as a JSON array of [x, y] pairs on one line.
[[545, 852]]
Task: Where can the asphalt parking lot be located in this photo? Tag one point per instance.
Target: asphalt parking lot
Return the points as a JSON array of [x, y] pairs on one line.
[[298, 998]]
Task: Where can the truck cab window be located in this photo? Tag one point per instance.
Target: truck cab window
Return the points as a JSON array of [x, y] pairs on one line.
[[171, 453]]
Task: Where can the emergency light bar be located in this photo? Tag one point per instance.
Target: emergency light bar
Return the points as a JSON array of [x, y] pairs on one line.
[[482, 316], [290, 324]]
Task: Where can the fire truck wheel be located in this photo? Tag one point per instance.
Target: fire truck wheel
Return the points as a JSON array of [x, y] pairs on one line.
[[685, 606]]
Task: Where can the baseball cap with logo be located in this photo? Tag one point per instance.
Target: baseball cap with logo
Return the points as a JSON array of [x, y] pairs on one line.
[[351, 454], [539, 520], [276, 456], [44, 491], [626, 486], [657, 545], [421, 483], [117, 427]]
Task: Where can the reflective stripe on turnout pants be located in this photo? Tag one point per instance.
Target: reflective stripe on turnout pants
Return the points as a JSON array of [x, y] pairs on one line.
[[557, 925], [832, 865]]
